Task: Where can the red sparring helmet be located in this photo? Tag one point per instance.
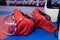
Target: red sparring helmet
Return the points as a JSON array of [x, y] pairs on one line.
[[24, 25], [43, 22]]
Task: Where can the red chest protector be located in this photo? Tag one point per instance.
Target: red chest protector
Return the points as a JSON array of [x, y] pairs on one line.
[[24, 25], [42, 22]]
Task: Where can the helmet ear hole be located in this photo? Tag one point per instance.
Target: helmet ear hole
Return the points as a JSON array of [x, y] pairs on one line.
[[38, 22]]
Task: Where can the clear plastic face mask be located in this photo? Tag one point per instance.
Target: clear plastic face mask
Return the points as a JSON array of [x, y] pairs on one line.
[[9, 25]]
